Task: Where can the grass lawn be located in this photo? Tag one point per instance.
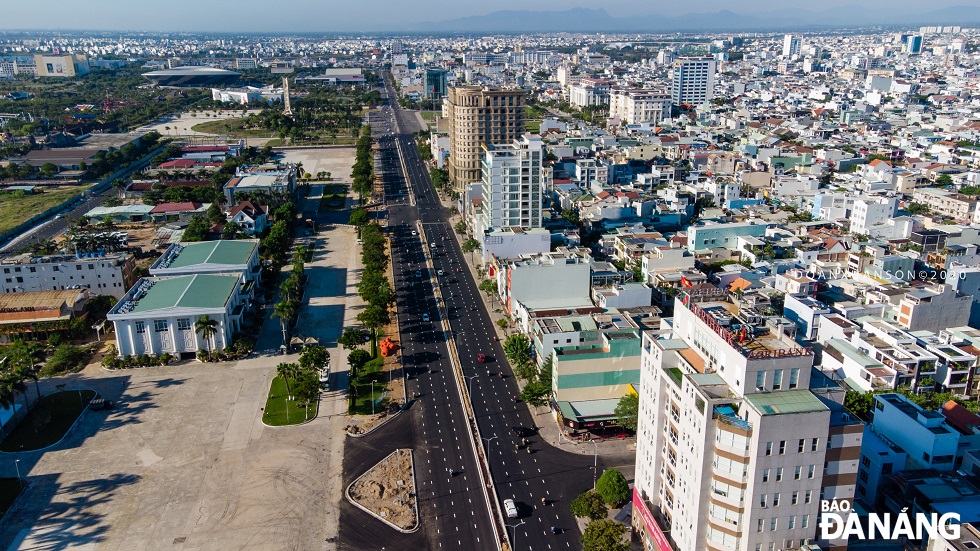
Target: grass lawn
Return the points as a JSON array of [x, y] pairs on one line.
[[430, 115], [280, 411], [232, 127], [10, 488], [16, 208], [48, 421], [332, 193], [533, 126], [362, 396]]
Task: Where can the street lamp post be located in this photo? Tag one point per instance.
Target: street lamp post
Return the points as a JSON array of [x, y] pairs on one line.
[[19, 479], [595, 463], [372, 400], [487, 451], [470, 383], [514, 526]]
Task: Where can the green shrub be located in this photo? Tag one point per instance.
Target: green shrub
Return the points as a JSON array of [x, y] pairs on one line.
[[67, 358], [613, 488]]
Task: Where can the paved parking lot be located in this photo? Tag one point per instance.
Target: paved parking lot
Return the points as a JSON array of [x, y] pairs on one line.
[[185, 463], [335, 160]]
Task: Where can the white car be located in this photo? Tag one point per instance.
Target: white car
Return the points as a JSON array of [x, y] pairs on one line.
[[414, 232], [441, 273], [510, 508]]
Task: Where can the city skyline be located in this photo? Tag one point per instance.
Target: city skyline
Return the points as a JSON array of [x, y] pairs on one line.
[[224, 16]]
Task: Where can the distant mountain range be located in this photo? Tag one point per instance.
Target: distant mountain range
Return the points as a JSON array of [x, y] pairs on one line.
[[597, 20]]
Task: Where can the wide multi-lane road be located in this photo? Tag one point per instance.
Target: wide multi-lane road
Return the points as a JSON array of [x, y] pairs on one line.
[[525, 473]]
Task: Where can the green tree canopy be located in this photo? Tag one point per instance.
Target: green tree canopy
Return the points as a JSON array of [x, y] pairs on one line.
[[604, 535], [588, 505], [352, 337], [628, 410], [613, 488]]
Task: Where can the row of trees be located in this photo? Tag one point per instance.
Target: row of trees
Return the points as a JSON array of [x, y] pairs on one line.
[[20, 366], [374, 287], [362, 173], [302, 379], [537, 385], [601, 534], [290, 292]]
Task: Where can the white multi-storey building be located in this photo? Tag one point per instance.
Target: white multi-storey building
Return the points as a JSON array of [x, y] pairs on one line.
[[639, 106], [791, 46], [693, 80], [734, 452], [871, 212], [512, 184], [589, 92], [102, 273]]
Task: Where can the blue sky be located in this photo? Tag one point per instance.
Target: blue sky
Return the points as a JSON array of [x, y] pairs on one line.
[[349, 15]]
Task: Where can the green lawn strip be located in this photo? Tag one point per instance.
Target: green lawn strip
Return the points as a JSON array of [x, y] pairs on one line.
[[16, 208], [333, 193], [280, 411], [48, 421], [361, 391], [533, 126], [10, 488]]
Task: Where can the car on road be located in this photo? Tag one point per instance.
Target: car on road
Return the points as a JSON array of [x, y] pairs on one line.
[[440, 272], [510, 508], [482, 358], [425, 317], [418, 273], [414, 232]]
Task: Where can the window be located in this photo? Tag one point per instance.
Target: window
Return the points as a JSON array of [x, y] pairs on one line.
[[797, 470], [775, 501], [794, 377], [813, 445], [865, 461], [159, 325], [78, 267], [760, 379], [765, 475], [886, 468], [863, 476], [802, 444], [762, 501], [806, 497], [792, 522], [795, 499], [773, 523], [184, 324], [768, 448], [777, 379], [772, 545], [140, 327], [782, 447], [804, 520], [925, 457], [779, 474], [758, 528], [810, 471]]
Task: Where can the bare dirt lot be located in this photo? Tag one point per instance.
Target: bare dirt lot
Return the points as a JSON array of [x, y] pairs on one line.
[[388, 490]]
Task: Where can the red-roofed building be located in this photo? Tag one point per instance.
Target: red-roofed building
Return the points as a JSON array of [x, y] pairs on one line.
[[252, 219], [961, 418], [178, 211]]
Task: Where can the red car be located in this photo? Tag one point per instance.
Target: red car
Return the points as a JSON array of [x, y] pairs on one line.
[[482, 358]]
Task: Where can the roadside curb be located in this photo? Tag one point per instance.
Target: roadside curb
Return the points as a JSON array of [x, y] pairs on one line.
[[415, 507], [375, 427]]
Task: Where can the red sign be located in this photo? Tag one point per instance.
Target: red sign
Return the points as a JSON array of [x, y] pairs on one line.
[[650, 523]]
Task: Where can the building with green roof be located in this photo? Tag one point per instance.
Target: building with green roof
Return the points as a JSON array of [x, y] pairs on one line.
[[237, 256], [158, 315]]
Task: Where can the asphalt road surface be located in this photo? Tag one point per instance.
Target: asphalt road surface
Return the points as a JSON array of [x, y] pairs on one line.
[[452, 507], [523, 472]]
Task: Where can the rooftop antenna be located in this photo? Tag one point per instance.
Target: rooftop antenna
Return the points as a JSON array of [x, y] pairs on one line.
[[287, 108]]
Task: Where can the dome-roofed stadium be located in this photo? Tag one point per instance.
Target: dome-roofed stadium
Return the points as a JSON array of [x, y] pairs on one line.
[[192, 76]]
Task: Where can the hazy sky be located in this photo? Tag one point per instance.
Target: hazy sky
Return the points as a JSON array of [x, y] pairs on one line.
[[353, 15]]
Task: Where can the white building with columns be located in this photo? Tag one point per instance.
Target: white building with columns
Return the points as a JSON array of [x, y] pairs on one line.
[[158, 314]]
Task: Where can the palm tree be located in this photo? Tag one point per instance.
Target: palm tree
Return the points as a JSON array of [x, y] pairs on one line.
[[28, 353], [288, 372], [208, 328], [284, 310], [290, 288], [12, 383]]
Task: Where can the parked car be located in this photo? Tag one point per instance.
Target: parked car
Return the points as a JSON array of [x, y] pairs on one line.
[[482, 358], [425, 317]]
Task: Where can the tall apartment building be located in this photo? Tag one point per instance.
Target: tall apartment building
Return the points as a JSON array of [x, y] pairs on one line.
[[512, 184], [246, 63], [478, 116], [791, 46], [734, 451], [639, 106], [102, 273], [693, 80], [589, 92], [60, 65], [435, 83]]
